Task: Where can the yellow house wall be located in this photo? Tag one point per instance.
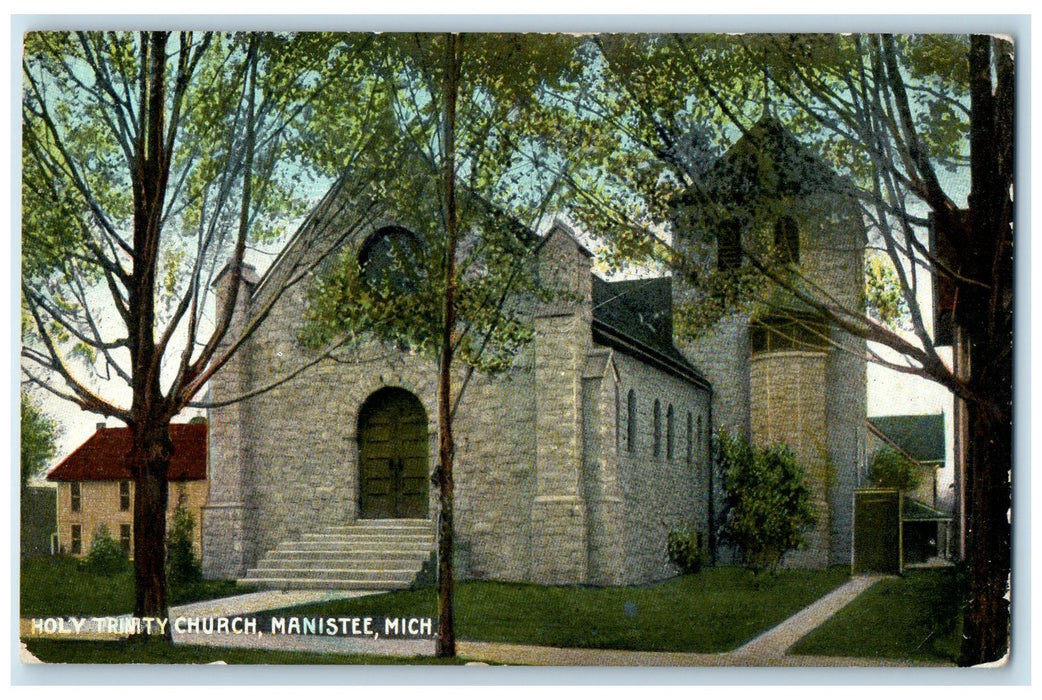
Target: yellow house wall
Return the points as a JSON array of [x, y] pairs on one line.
[[99, 505]]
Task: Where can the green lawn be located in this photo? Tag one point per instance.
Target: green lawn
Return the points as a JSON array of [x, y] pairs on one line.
[[914, 617], [131, 652], [59, 586], [715, 610]]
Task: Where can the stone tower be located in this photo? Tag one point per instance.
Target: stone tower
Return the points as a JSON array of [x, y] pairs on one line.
[[782, 373]]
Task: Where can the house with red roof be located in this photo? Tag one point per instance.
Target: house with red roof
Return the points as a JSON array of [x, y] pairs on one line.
[[96, 488]]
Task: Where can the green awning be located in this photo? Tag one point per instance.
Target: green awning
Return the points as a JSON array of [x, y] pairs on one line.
[[917, 511]]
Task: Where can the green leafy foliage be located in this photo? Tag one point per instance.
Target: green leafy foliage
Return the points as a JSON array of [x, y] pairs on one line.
[[183, 568], [106, 556], [39, 435], [768, 501], [884, 300], [686, 549], [396, 295], [893, 469]]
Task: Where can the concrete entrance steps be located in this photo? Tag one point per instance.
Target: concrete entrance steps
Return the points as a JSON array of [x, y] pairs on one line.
[[370, 555]]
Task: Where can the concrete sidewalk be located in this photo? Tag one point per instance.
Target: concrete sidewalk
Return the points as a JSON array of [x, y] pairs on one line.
[[775, 642], [261, 601]]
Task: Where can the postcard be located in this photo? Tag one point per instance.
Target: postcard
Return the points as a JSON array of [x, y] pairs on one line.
[[516, 348]]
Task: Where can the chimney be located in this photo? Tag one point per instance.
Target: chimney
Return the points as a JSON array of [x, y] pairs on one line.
[[101, 425]]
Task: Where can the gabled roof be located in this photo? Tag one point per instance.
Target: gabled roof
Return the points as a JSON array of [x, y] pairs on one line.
[[921, 437], [103, 456], [636, 317], [768, 161]]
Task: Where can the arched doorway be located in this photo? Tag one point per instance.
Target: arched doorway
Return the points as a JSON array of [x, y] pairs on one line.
[[392, 456]]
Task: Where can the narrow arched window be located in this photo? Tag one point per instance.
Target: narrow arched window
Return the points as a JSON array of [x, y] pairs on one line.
[[631, 420], [690, 447], [699, 438], [729, 246], [787, 240], [618, 421], [669, 432], [390, 261], [657, 428]]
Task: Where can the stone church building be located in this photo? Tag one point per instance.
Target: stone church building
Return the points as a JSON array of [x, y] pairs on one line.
[[571, 467]]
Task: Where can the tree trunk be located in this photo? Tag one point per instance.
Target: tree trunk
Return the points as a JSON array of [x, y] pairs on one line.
[[985, 316], [149, 459], [445, 645], [988, 483]]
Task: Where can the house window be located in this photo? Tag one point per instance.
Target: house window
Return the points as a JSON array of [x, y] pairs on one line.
[[669, 432], [124, 538], [700, 438], [75, 497], [657, 429], [787, 240], [729, 246], [124, 495], [690, 447], [631, 420], [76, 545]]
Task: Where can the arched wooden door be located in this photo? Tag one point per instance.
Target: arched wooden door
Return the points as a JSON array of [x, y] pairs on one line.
[[392, 456]]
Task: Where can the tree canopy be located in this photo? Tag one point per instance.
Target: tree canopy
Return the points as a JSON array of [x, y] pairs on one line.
[[151, 161], [894, 469], [39, 436], [917, 133]]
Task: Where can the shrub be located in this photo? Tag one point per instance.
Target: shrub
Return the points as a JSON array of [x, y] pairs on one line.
[[686, 550], [182, 566], [768, 501], [106, 556], [894, 470]]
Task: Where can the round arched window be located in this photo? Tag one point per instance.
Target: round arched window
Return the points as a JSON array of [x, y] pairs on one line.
[[391, 260]]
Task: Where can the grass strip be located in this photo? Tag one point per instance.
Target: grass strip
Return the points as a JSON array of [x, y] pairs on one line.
[[53, 586], [715, 610], [916, 617]]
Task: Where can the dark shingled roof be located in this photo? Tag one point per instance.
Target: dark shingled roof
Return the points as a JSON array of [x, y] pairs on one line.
[[636, 317], [103, 456], [768, 161], [921, 437]]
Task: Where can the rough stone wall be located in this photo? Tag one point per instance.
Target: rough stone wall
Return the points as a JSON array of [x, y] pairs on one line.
[[659, 493], [534, 499], [495, 474], [225, 524], [300, 444], [289, 455], [606, 550], [721, 354], [847, 435], [789, 398], [833, 238], [562, 341]]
